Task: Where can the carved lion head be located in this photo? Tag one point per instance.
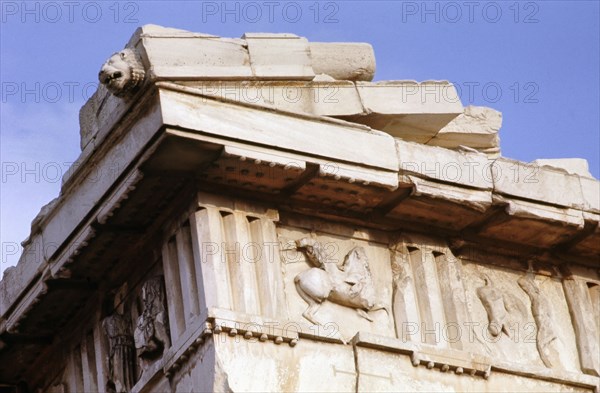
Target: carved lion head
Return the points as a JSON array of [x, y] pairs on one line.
[[122, 73]]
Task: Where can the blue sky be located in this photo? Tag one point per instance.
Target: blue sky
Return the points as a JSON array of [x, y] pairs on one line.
[[538, 62]]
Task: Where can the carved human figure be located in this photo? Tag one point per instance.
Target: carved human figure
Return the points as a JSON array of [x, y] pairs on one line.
[[122, 73], [502, 308], [151, 332], [351, 286], [121, 360], [547, 341], [493, 302]]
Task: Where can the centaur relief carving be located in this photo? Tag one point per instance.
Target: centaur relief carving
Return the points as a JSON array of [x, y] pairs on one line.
[[505, 309], [350, 286]]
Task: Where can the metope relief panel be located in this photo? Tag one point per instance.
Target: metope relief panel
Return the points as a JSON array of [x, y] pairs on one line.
[[337, 285], [132, 335], [502, 325], [520, 317], [151, 334], [555, 335], [121, 358]]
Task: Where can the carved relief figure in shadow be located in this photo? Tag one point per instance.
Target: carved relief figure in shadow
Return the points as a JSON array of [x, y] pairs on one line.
[[547, 341], [402, 298], [122, 73], [350, 286], [151, 332], [121, 360]]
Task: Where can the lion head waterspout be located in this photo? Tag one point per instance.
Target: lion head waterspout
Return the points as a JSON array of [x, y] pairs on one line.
[[122, 73]]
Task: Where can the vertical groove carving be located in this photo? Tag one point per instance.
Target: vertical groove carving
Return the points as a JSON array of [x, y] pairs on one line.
[[405, 306], [237, 262], [581, 309], [242, 269], [174, 295], [88, 364], [190, 243], [187, 274], [101, 353], [75, 371], [453, 297], [207, 240], [268, 268], [428, 293]]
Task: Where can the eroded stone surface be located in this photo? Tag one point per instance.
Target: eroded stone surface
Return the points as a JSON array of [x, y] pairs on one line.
[[477, 128], [574, 166]]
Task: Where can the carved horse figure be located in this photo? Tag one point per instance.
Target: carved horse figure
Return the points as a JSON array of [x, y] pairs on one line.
[[351, 286]]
